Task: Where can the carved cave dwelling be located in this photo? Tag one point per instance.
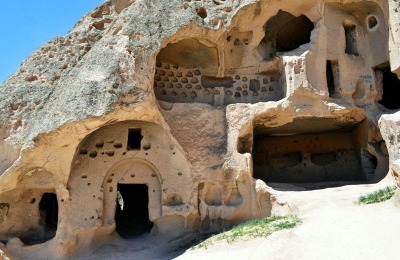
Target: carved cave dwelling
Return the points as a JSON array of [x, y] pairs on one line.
[[188, 120]]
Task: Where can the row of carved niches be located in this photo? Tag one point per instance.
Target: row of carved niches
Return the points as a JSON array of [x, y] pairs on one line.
[[191, 70], [173, 83]]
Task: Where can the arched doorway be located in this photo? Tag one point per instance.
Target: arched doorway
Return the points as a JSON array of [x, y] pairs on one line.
[[132, 197]]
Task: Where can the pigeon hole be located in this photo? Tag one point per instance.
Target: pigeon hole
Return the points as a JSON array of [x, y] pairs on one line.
[[187, 72]]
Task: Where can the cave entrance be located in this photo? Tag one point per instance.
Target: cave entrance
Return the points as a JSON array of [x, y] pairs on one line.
[[132, 219], [285, 32], [48, 207], [294, 33], [48, 212], [391, 88], [332, 154]]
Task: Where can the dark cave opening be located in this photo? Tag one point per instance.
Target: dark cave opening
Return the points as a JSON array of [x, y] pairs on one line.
[[307, 158], [331, 70], [285, 32], [332, 154], [48, 207], [391, 89], [294, 34], [48, 210], [134, 139], [133, 220]]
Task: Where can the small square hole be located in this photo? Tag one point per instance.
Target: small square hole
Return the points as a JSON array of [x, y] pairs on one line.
[[134, 139]]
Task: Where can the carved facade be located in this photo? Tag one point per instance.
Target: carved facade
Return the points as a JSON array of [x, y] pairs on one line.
[[238, 101]]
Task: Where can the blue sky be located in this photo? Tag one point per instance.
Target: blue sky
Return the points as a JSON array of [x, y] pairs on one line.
[[27, 24]]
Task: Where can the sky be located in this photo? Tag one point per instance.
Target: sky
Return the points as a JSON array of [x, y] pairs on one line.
[[28, 24]]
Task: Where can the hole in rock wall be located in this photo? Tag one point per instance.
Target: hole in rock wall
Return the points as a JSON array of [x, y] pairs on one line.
[[48, 207], [390, 85], [133, 219], [286, 32], [134, 139], [187, 72], [294, 34], [332, 154], [202, 12], [372, 22], [48, 210], [332, 74], [351, 39]]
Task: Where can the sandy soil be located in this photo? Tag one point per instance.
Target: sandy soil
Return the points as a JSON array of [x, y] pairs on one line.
[[333, 227]]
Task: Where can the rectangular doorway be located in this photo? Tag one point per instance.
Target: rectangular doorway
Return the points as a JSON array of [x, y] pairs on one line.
[[132, 216]]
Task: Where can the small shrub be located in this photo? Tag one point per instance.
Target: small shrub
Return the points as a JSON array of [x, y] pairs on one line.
[[377, 196], [252, 229]]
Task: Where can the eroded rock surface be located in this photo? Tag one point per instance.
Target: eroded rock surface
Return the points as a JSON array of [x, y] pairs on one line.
[[199, 110]]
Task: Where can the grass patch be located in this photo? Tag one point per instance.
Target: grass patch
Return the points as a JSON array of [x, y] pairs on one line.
[[377, 196], [252, 229]]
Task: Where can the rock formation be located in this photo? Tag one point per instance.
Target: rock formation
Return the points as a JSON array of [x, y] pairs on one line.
[[194, 112]]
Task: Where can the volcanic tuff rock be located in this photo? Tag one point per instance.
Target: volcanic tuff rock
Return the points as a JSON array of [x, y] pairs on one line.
[[200, 110]]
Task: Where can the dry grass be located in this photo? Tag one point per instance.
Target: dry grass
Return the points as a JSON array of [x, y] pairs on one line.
[[252, 229]]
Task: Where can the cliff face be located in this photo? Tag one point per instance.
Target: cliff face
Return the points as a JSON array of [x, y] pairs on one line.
[[199, 109]]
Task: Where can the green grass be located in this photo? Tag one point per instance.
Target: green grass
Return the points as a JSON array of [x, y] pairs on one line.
[[377, 196], [252, 229]]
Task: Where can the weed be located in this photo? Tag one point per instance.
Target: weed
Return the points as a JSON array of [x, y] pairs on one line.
[[377, 196], [252, 229]]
